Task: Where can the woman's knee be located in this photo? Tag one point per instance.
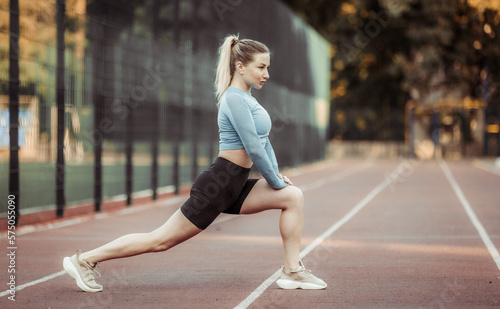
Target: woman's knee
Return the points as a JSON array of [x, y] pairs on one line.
[[295, 197], [161, 242], [158, 244]]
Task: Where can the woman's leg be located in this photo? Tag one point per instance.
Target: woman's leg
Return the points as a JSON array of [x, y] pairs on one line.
[[176, 230], [290, 200]]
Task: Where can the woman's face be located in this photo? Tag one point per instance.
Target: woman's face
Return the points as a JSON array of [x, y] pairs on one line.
[[256, 73]]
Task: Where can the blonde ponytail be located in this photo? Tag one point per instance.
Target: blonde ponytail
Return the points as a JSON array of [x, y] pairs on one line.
[[223, 74], [231, 51]]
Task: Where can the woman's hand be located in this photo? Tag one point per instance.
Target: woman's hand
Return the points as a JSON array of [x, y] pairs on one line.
[[286, 179]]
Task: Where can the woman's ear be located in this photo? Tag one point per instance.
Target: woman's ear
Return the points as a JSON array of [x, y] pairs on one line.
[[239, 67]]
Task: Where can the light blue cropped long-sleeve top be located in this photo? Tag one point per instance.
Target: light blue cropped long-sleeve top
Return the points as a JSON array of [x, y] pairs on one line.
[[245, 124]]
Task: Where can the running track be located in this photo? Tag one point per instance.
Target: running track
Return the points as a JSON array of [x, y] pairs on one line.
[[382, 234]]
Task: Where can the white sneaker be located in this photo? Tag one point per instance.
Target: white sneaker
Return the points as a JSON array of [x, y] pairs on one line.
[[300, 279], [83, 273]]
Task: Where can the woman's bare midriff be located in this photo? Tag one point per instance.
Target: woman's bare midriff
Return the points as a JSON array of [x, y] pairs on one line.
[[237, 156]]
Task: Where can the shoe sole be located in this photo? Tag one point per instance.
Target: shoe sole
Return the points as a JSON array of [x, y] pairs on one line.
[[73, 272], [292, 285]]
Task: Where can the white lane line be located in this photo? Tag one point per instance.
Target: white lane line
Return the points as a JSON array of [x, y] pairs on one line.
[[267, 283], [46, 278], [495, 169], [472, 216]]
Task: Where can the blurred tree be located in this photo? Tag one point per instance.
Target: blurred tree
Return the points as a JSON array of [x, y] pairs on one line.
[[37, 30], [386, 52]]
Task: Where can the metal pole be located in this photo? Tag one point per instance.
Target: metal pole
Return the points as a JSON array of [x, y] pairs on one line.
[[486, 137], [60, 173], [176, 168], [435, 132], [412, 132], [498, 133], [98, 102], [14, 189], [129, 149]]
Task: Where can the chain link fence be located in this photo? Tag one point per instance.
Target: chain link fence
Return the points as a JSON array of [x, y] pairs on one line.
[[115, 98]]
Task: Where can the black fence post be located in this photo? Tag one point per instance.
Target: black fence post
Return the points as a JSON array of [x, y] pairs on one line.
[[98, 105], [498, 133], [97, 156], [60, 172], [14, 189], [176, 169], [486, 136], [155, 151], [435, 131], [412, 132], [129, 149]]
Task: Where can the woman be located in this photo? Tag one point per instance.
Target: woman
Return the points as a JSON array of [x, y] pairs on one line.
[[244, 128]]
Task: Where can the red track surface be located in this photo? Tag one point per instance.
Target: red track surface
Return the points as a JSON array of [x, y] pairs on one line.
[[408, 244]]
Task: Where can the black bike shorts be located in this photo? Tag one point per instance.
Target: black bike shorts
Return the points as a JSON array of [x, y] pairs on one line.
[[220, 189]]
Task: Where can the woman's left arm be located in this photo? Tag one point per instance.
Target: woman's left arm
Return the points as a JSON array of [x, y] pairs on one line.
[[272, 157]]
